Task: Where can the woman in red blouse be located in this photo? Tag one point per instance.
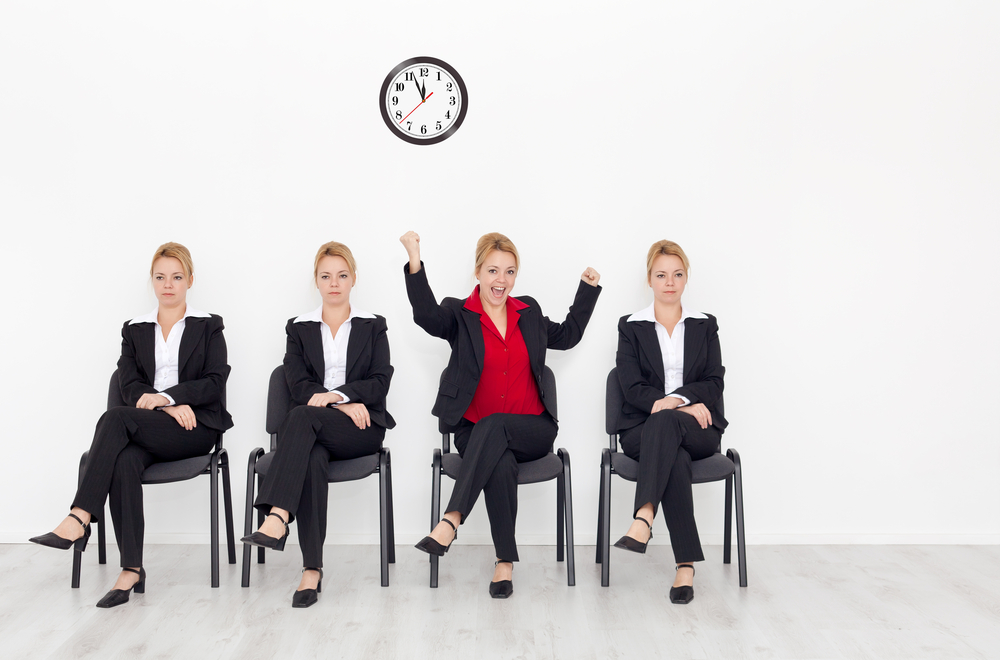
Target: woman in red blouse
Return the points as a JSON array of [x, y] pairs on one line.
[[491, 392]]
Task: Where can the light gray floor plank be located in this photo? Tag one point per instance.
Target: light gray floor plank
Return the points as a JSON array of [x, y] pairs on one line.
[[803, 602]]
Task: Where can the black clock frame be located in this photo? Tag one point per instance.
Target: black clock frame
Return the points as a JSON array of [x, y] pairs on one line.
[[405, 65]]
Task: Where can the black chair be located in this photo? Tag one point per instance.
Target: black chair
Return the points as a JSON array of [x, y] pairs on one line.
[[169, 472], [544, 469], [279, 403], [713, 468]]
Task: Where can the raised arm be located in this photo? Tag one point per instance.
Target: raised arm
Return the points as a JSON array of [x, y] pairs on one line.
[[208, 387], [427, 313], [566, 335], [372, 389]]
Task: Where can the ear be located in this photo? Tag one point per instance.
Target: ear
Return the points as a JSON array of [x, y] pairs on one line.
[[191, 281]]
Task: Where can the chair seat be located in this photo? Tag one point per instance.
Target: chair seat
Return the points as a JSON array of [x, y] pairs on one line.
[[171, 471], [338, 471], [532, 472], [714, 468]]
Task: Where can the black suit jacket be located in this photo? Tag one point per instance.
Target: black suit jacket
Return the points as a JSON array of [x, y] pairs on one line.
[[368, 368], [202, 368], [464, 331], [640, 369]]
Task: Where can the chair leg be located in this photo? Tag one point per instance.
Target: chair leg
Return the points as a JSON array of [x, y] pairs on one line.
[[600, 516], [227, 495], [102, 539], [560, 515], [606, 518], [213, 507], [248, 517], [741, 547], [383, 501], [392, 521], [727, 525], [77, 559], [570, 542], [435, 508]]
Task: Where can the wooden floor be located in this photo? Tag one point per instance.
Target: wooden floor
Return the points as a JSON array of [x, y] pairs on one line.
[[803, 602]]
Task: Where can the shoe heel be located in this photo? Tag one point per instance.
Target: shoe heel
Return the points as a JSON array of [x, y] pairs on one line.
[[280, 545], [80, 544], [319, 587], [140, 587]]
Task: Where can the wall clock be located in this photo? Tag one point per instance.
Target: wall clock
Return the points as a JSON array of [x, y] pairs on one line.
[[423, 100]]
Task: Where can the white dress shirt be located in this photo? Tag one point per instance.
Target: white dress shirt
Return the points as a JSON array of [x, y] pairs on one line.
[[167, 350], [334, 348], [671, 348]]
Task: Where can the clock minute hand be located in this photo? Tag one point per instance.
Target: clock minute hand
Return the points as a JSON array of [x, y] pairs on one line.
[[422, 89], [415, 109]]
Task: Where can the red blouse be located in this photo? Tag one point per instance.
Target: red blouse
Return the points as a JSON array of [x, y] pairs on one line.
[[506, 384]]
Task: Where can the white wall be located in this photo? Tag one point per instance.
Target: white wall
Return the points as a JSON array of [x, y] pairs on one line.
[[831, 168]]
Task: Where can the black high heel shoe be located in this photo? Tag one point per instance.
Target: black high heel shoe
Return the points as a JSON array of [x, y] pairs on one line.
[[307, 597], [682, 595], [262, 540], [117, 597], [629, 543], [53, 540], [503, 588], [432, 547]]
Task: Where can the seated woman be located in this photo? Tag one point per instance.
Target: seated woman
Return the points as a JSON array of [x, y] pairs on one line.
[[338, 372], [172, 374], [670, 369], [490, 391]]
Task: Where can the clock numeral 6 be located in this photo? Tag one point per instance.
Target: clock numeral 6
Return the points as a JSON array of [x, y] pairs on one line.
[[423, 129]]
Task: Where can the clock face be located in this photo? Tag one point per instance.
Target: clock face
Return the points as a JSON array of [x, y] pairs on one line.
[[423, 100]]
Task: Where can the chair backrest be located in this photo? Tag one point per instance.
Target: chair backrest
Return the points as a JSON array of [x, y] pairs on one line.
[[279, 402], [613, 403], [548, 386]]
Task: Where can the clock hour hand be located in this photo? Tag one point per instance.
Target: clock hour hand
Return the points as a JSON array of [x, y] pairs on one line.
[[422, 88]]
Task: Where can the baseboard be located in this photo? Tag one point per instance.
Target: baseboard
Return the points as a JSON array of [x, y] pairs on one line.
[[591, 539]]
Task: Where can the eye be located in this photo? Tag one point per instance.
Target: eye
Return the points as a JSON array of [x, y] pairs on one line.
[[679, 275], [510, 272], [159, 277], [343, 276], [492, 271], [659, 276]]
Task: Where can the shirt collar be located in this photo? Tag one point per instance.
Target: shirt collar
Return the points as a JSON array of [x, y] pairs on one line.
[[648, 314], [316, 316], [475, 304], [151, 317]]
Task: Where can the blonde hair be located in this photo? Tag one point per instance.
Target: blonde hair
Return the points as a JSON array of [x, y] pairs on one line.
[[668, 248], [335, 249], [175, 251], [494, 241]]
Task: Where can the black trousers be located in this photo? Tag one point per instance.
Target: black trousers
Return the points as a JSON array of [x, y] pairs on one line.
[[665, 444], [126, 442], [309, 438], [491, 450]]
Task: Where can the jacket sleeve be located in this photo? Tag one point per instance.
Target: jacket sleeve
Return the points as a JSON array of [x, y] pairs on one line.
[[566, 335], [131, 383], [636, 388], [210, 385], [301, 383], [372, 389], [427, 313], [708, 388]]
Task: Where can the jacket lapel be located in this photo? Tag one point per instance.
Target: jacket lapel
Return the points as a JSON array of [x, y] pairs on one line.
[[312, 345], [694, 344], [645, 332], [144, 336], [194, 328], [474, 325], [361, 332]]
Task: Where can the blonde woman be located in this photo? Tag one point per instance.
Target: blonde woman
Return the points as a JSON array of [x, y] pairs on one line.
[[338, 372], [490, 390], [172, 373], [670, 368]]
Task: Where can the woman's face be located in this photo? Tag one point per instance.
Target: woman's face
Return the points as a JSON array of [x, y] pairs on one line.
[[668, 279], [496, 278], [334, 280], [170, 284]]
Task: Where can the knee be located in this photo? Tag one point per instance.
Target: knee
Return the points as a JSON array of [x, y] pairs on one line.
[[115, 415], [665, 422]]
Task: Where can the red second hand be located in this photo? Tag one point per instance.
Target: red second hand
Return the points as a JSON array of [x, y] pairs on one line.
[[415, 109]]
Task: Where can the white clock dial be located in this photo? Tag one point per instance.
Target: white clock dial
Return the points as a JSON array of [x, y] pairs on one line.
[[423, 100]]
